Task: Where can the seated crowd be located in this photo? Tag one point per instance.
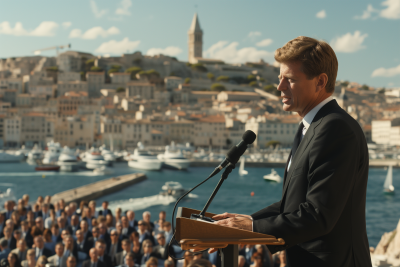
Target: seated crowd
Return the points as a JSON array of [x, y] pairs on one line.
[[58, 234]]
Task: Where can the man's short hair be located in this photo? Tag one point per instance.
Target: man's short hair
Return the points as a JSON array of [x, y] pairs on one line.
[[3, 242], [60, 244], [125, 241], [147, 242], [316, 57], [101, 241], [166, 224], [200, 263]]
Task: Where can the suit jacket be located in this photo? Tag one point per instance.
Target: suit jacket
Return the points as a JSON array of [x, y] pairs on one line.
[[162, 251], [107, 261], [29, 238], [146, 258], [53, 260], [321, 215], [87, 245], [87, 263], [47, 252], [108, 212], [13, 243], [21, 256], [4, 253]]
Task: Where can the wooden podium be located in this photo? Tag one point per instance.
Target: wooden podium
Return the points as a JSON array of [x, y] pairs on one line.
[[202, 235]]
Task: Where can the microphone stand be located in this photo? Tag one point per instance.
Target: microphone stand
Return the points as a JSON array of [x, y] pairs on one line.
[[224, 175]]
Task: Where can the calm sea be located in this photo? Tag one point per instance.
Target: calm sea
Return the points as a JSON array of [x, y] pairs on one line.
[[383, 212]]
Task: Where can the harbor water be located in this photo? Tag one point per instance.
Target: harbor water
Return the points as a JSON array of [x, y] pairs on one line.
[[382, 211]]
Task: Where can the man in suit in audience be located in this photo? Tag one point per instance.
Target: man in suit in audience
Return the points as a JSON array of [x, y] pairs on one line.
[[148, 252], [162, 248], [115, 245], [26, 233], [58, 260], [9, 209], [2, 223], [130, 214], [62, 223], [105, 209], [126, 248], [126, 228], [17, 235], [40, 249], [94, 260], [82, 245], [95, 236], [21, 250], [74, 224], [71, 261], [84, 226], [4, 248], [105, 235], [101, 249]]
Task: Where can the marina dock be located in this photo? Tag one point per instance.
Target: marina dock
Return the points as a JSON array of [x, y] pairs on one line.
[[98, 189]]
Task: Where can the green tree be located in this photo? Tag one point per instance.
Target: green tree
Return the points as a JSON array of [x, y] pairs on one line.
[[253, 84], [112, 71], [96, 69], [251, 77], [118, 67], [365, 87], [217, 87], [272, 90], [199, 67], [133, 71], [223, 79], [53, 68], [262, 79], [83, 76], [90, 62], [187, 81], [120, 90], [272, 143], [210, 76], [382, 91], [344, 84], [152, 72]]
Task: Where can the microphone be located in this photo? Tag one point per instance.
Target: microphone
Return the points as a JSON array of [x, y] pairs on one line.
[[237, 151]]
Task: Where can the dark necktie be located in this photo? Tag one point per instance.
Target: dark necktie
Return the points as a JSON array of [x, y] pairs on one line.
[[297, 139]]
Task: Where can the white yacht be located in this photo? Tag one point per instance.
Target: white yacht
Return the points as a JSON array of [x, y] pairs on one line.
[[35, 154], [388, 187], [52, 153], [6, 157], [143, 160], [273, 177], [103, 171], [173, 158], [108, 154], [68, 161], [242, 171], [94, 159]]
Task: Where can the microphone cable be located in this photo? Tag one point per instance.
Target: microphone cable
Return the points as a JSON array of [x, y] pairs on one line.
[[173, 224]]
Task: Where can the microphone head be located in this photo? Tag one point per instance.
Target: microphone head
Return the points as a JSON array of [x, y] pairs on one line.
[[249, 137]]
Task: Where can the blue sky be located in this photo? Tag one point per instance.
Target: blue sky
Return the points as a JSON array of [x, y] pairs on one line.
[[364, 34]]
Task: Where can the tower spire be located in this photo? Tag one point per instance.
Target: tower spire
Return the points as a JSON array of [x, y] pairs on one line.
[[195, 40]]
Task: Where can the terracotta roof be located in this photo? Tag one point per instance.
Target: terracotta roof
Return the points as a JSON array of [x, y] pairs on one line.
[[34, 114], [213, 119]]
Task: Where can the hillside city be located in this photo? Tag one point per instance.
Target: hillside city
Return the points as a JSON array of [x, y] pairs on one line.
[[82, 100]]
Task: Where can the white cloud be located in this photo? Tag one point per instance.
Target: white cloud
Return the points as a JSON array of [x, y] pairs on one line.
[[169, 51], [115, 47], [265, 42], [45, 28], [230, 53], [66, 24], [96, 11], [349, 43], [321, 14], [254, 34], [123, 8], [392, 10], [390, 72], [93, 33], [367, 13]]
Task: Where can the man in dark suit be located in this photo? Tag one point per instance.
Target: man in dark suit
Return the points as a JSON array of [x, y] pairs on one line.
[[95, 236], [126, 248], [321, 215], [40, 249], [94, 260], [148, 252], [115, 245], [162, 248], [82, 245], [105, 209], [101, 249]]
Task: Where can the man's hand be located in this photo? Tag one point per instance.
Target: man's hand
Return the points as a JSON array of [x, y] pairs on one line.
[[233, 220]]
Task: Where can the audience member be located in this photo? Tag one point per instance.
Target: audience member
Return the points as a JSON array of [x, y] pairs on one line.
[[11, 261], [130, 215], [148, 251], [143, 233], [200, 263], [169, 263], [21, 250], [40, 249], [105, 209], [82, 245], [71, 261], [51, 219], [187, 259], [242, 261], [48, 241], [94, 260], [147, 218], [30, 259], [126, 228], [118, 212], [129, 261], [14, 239], [162, 248], [152, 262], [115, 245], [257, 259], [101, 249], [58, 259], [4, 248], [41, 261], [74, 224]]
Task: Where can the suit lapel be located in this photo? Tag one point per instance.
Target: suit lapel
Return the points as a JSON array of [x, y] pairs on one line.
[[305, 142]]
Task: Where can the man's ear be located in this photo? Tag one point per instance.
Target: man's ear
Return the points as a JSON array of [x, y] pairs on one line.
[[321, 81]]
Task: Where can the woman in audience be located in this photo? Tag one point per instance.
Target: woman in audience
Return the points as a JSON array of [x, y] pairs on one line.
[[11, 261], [48, 241], [266, 255], [30, 259], [41, 261], [257, 260], [152, 262], [187, 259]]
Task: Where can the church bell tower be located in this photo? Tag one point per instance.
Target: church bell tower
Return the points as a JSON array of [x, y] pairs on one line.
[[195, 40]]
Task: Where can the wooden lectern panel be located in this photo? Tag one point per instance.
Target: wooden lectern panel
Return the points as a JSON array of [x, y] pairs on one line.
[[204, 234]]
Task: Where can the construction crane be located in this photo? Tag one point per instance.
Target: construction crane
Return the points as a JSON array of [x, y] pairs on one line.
[[58, 47]]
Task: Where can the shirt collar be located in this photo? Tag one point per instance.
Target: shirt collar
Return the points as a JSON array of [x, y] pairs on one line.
[[308, 118]]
